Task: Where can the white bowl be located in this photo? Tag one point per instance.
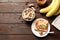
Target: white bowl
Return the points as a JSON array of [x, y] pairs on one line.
[[23, 14], [36, 33]]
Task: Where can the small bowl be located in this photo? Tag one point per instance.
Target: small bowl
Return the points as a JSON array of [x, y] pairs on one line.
[[24, 12], [41, 2], [36, 33]]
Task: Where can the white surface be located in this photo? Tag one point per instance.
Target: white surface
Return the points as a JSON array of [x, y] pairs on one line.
[[36, 33], [56, 22]]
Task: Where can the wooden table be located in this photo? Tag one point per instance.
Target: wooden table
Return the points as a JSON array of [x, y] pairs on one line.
[[13, 27]]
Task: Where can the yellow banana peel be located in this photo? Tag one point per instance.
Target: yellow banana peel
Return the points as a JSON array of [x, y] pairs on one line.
[[58, 12], [48, 8], [54, 9]]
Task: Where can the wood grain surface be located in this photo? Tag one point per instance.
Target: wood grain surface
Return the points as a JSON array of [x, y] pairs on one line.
[[12, 25]]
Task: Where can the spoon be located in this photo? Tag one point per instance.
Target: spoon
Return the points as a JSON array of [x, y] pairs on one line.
[[52, 32]]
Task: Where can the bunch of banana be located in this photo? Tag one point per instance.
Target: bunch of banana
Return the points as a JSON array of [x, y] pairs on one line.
[[58, 12], [52, 9]]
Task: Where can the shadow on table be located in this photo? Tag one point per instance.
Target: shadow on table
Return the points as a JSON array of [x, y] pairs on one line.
[[46, 37], [30, 22]]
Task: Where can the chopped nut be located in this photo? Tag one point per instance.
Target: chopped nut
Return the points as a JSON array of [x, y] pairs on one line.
[[31, 5]]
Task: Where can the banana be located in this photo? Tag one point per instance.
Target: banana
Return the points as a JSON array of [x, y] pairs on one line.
[[59, 1], [54, 9], [58, 12], [48, 8]]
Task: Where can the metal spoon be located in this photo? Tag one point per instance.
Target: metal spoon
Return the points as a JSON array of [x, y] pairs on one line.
[[52, 32]]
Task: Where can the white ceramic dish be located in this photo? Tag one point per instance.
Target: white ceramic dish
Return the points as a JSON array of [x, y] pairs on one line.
[[36, 33], [23, 14], [56, 22]]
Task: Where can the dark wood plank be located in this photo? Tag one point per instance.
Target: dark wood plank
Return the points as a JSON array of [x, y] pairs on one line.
[[17, 18], [13, 17], [17, 37], [3, 0], [15, 29], [27, 37], [22, 0], [17, 0], [16, 6], [20, 29], [10, 18], [11, 7]]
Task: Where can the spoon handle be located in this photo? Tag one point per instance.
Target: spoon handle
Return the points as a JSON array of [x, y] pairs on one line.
[[51, 32]]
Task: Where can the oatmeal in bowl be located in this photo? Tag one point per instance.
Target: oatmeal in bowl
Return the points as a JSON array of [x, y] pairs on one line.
[[28, 14]]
